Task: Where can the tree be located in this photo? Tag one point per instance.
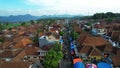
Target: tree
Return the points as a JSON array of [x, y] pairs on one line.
[[74, 34], [110, 14], [1, 27], [109, 20], [23, 24], [61, 33], [57, 47], [53, 57], [99, 16], [32, 22]]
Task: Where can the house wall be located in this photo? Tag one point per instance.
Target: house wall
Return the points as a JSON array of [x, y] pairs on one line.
[[97, 57]]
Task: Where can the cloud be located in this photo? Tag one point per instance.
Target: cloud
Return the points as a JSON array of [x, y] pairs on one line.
[[76, 6], [50, 7]]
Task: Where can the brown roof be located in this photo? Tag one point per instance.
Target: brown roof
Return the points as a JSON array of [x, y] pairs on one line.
[[108, 48], [77, 29], [94, 41], [115, 35], [95, 52], [101, 48], [5, 44], [118, 51], [98, 26], [14, 64], [114, 51], [31, 50], [9, 53], [55, 25], [116, 27], [53, 29], [46, 47], [23, 43], [86, 49], [82, 37], [116, 60]]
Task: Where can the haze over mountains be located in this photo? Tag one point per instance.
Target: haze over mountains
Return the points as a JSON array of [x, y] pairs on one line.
[[28, 17]]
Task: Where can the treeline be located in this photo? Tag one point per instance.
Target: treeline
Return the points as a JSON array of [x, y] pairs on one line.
[[105, 15]]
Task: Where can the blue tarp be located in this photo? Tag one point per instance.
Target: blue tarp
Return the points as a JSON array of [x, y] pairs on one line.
[[71, 39], [61, 41], [79, 65], [72, 46], [103, 65]]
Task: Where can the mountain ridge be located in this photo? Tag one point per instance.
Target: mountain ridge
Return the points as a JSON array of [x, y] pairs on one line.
[[28, 17]]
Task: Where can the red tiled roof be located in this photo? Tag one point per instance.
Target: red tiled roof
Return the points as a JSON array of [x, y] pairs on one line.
[[116, 60], [15, 64], [115, 35], [108, 48], [86, 49], [118, 51], [55, 25], [82, 37], [94, 41], [53, 29], [77, 29], [23, 43], [5, 44], [101, 48], [114, 51], [32, 50], [9, 53], [95, 52]]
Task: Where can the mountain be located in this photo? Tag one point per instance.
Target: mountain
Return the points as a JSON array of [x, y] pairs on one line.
[[28, 17], [18, 18]]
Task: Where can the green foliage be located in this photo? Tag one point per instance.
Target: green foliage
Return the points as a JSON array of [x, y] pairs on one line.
[[53, 57], [74, 34], [89, 24], [2, 39], [1, 27], [32, 22], [35, 39], [105, 15], [109, 19], [62, 32], [57, 47], [23, 24], [39, 30]]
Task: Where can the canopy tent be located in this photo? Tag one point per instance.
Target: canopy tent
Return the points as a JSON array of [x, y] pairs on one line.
[[79, 65], [103, 65], [72, 46], [77, 60], [91, 66]]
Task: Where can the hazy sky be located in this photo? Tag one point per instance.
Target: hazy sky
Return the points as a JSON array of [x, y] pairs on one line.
[[51, 7]]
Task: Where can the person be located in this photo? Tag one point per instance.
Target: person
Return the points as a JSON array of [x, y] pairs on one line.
[[107, 59], [94, 60]]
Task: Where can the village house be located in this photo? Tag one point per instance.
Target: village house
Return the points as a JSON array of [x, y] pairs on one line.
[[98, 29], [92, 46], [12, 49]]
